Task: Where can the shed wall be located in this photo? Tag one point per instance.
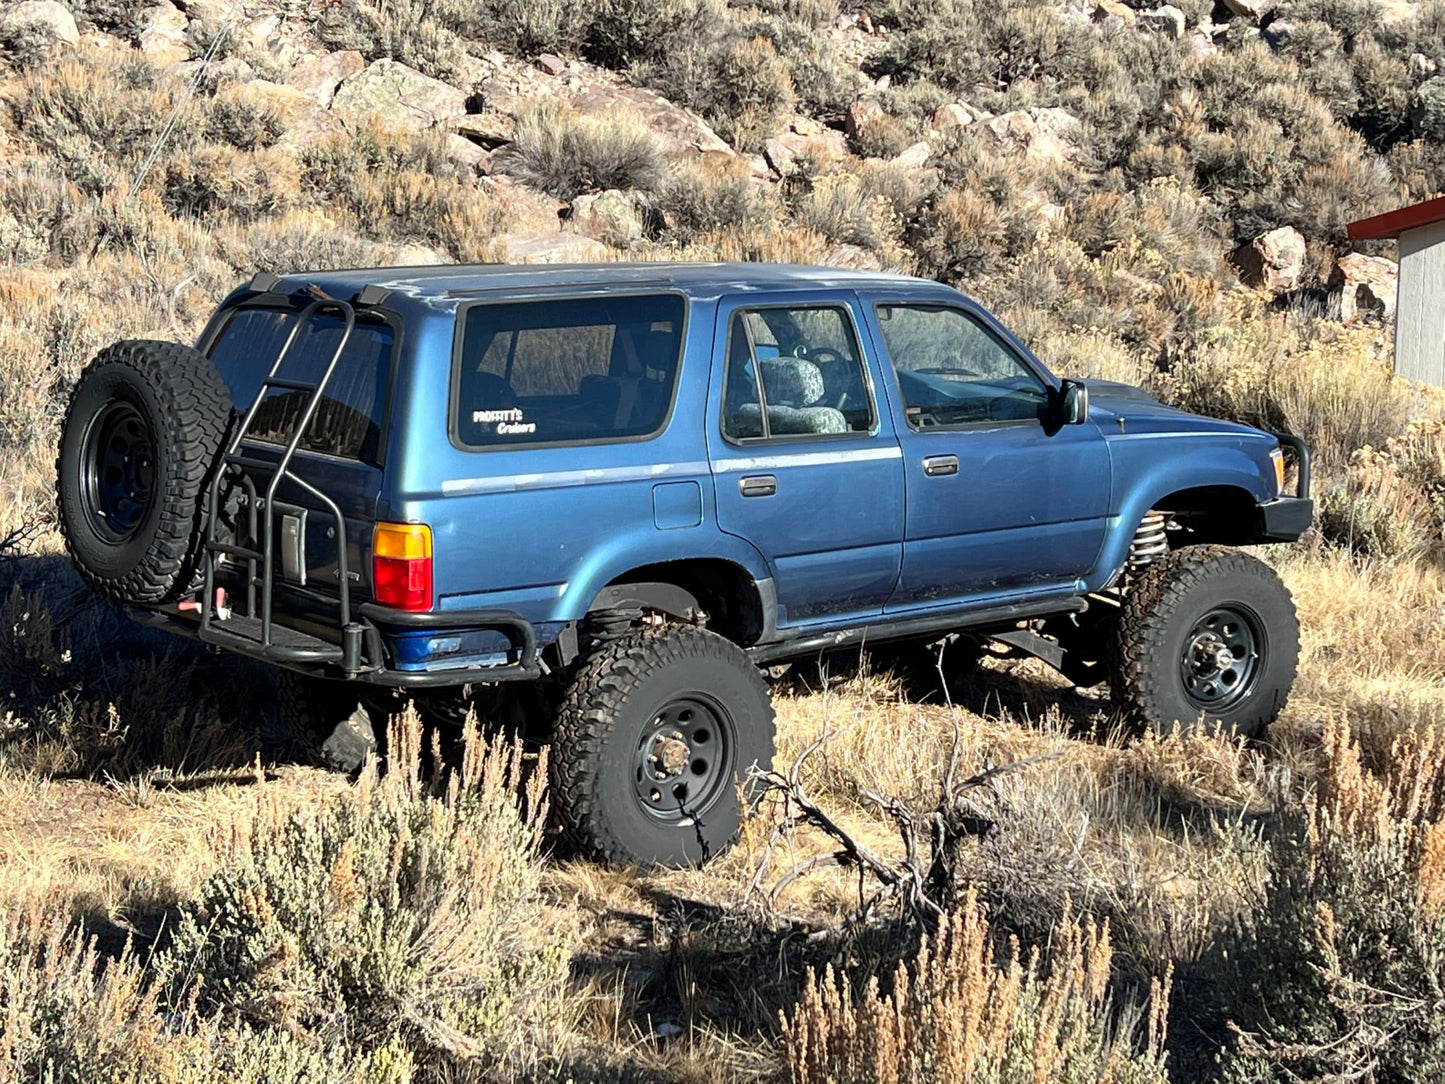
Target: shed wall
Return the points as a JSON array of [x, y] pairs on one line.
[[1420, 314]]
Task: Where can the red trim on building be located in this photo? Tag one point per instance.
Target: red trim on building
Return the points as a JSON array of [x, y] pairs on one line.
[[1394, 223]]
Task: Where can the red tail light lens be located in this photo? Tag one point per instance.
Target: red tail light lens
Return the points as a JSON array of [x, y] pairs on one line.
[[401, 565]]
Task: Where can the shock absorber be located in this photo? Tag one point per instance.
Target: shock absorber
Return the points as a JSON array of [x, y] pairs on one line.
[[1150, 543]]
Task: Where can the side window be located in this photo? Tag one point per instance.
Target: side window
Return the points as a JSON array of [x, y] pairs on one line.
[[348, 419], [580, 369], [953, 371], [794, 372]]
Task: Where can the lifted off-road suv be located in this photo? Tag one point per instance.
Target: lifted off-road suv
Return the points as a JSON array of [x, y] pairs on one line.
[[608, 494]]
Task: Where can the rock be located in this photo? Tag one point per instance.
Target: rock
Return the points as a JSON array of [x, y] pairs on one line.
[[1367, 286], [863, 114], [416, 256], [552, 65], [1278, 33], [680, 132], [613, 216], [163, 35], [1422, 66], [398, 97], [486, 129], [319, 76], [1167, 20], [1255, 9], [557, 247], [46, 17], [1274, 261], [951, 116], [525, 209], [1044, 135], [1393, 12], [305, 120], [1113, 9], [469, 153], [807, 139], [916, 156]]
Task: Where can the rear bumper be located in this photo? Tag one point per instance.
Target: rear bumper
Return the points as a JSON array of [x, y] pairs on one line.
[[1284, 520], [362, 655]]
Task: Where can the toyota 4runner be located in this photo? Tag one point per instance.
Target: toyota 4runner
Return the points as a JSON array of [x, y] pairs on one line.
[[610, 494]]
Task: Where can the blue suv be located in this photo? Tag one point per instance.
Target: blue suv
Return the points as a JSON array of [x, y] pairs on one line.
[[608, 495]]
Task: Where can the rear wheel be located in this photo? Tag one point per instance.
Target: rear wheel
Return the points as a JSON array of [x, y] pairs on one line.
[[1209, 639], [140, 439], [332, 720], [653, 745]]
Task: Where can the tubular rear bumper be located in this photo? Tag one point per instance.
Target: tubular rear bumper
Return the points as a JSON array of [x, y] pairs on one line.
[[363, 652]]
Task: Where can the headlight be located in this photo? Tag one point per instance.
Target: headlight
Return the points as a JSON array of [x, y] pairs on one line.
[[1278, 456]]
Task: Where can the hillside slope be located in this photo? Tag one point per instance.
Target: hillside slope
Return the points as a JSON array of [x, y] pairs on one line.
[[1157, 195]]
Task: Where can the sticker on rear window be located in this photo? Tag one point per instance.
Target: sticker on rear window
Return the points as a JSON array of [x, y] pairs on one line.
[[509, 422]]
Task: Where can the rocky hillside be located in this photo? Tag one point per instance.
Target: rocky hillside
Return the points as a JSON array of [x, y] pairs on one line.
[[1157, 194]]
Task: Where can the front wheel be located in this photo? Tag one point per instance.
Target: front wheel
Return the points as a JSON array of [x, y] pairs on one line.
[[653, 746], [1208, 639]]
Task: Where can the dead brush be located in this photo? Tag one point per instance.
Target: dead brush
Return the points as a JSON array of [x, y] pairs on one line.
[[953, 1015], [1339, 975]]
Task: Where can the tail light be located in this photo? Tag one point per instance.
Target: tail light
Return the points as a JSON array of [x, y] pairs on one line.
[[401, 565]]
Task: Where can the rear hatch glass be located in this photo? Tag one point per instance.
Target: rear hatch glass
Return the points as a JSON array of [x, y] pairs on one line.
[[349, 418]]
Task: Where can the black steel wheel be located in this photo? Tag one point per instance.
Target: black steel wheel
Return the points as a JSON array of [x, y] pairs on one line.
[[653, 745], [1221, 657], [684, 758], [118, 471], [1207, 639], [142, 434]]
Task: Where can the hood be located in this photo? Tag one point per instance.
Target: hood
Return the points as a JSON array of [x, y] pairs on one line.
[[1141, 412]]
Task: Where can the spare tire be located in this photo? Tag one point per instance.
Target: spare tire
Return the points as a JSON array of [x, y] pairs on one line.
[[141, 436]]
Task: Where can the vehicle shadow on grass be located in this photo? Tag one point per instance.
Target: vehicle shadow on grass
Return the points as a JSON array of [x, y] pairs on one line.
[[92, 694]]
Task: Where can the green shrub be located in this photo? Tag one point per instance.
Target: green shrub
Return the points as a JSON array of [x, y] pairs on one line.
[[709, 197], [566, 155], [399, 911]]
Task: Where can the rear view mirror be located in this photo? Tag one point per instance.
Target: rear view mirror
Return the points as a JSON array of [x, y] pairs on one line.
[[1073, 402]]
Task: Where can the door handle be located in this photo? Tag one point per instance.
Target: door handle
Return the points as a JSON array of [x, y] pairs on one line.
[[937, 466], [758, 485]]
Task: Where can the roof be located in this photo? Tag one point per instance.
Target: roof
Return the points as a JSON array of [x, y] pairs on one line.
[[1394, 223], [462, 280]]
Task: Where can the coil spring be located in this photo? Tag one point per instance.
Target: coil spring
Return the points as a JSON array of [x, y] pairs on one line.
[[1150, 543]]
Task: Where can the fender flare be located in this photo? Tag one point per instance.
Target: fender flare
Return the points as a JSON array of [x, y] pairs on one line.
[[667, 598]]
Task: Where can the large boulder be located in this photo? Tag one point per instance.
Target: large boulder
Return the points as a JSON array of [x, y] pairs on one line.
[[47, 18], [1367, 286], [1274, 261], [163, 34], [680, 132], [614, 216], [305, 120], [1044, 135], [319, 76], [391, 94]]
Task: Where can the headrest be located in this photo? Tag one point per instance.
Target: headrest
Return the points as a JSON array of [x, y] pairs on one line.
[[791, 381]]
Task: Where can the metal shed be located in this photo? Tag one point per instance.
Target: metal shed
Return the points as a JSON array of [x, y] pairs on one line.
[[1420, 310]]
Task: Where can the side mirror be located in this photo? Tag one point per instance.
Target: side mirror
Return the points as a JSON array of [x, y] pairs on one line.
[[1073, 402]]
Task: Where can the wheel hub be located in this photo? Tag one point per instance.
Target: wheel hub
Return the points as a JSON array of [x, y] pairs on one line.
[[684, 759], [118, 470], [1221, 658]]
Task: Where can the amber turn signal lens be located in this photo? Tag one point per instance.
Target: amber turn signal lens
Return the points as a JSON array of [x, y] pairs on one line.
[[401, 566]]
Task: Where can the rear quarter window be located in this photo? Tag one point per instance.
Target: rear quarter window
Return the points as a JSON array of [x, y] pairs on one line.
[[575, 370], [349, 417]]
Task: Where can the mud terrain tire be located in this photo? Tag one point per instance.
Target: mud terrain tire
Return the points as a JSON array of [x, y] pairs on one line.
[[1208, 638], [141, 436], [677, 712]]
